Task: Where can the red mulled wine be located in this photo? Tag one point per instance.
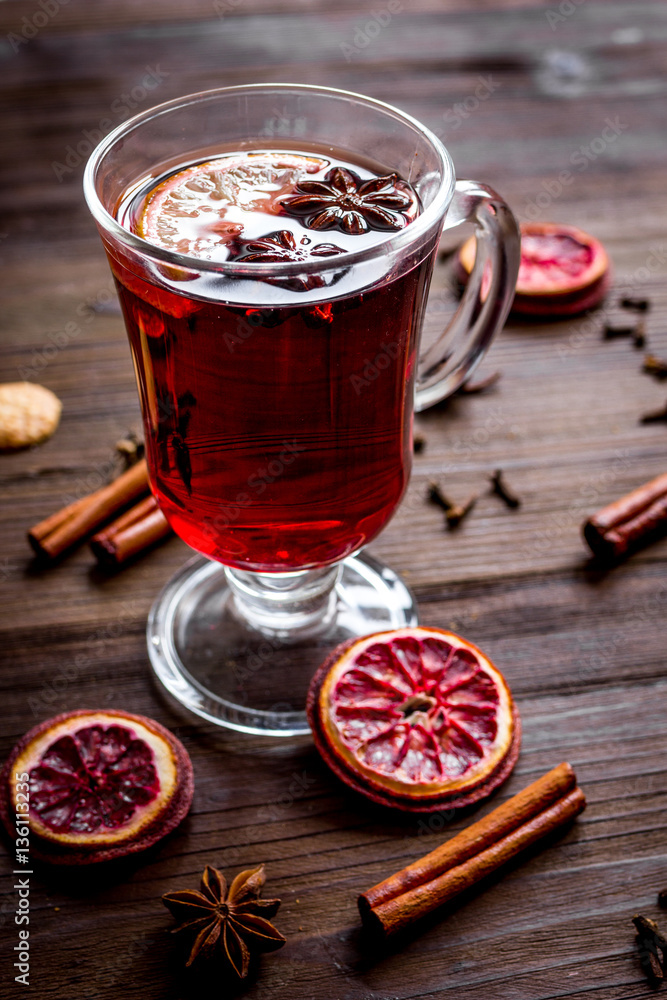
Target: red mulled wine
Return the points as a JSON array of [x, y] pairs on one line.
[[277, 431]]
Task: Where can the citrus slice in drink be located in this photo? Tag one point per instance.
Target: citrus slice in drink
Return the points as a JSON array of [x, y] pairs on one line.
[[199, 210], [417, 719], [563, 270], [98, 785]]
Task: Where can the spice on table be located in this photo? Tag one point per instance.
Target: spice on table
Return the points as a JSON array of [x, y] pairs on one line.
[[418, 444], [662, 899], [232, 925], [540, 809], [637, 332], [458, 512], [437, 497], [630, 522], [652, 948], [649, 961], [131, 448], [141, 527], [74, 523], [482, 384], [501, 489], [613, 332], [655, 366], [638, 305], [639, 335], [654, 416], [454, 513]]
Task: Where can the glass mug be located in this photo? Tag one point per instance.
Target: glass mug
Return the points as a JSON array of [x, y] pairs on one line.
[[277, 398]]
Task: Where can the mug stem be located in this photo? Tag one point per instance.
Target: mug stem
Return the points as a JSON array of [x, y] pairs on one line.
[[289, 606], [487, 298], [240, 651]]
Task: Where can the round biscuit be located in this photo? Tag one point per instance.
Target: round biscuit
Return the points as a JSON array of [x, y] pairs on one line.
[[29, 414]]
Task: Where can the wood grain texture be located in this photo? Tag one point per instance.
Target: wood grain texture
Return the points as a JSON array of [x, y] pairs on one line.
[[77, 15], [583, 650]]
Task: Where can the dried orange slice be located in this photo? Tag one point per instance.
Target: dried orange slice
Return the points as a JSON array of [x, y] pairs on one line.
[[200, 209], [98, 784], [563, 270], [416, 718]]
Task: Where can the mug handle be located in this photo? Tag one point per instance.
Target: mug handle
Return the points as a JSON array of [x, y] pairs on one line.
[[487, 299]]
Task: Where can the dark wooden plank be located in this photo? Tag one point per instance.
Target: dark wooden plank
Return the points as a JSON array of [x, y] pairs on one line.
[[78, 15]]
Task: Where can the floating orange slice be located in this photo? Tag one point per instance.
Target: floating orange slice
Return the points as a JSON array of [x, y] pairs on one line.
[[200, 209], [416, 718]]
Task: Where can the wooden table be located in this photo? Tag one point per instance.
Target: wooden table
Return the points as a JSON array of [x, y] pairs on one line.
[[584, 650]]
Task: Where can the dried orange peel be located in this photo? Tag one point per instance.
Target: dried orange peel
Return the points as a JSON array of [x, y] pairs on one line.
[[99, 784], [417, 719], [563, 270]]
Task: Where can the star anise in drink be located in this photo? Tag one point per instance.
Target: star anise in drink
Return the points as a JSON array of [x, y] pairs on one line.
[[343, 201], [281, 247], [232, 924]]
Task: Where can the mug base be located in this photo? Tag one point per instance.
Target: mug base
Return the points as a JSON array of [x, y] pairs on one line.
[[218, 667]]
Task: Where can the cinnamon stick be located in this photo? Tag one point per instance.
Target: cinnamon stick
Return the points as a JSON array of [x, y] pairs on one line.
[[397, 914], [66, 527], [49, 524], [629, 522], [464, 845], [138, 529]]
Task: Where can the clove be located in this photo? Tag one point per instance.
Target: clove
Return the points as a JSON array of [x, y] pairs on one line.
[[454, 513], [637, 332], [457, 512], [436, 496], [637, 305], [655, 366], [613, 332], [649, 962], [639, 335], [652, 948], [655, 416], [418, 444], [500, 488], [130, 448]]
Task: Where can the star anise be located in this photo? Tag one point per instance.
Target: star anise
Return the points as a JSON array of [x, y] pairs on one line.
[[343, 201], [231, 923], [278, 247]]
